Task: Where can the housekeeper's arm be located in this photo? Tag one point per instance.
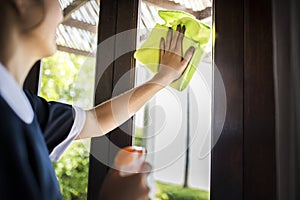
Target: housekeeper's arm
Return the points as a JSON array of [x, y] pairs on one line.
[[112, 113]]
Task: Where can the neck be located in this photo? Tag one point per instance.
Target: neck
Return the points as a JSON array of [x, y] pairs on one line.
[[17, 58]]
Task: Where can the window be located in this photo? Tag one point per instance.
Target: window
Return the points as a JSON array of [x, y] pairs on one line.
[[175, 126]]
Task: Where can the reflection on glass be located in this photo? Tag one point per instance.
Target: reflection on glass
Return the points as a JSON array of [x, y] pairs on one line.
[[175, 127]]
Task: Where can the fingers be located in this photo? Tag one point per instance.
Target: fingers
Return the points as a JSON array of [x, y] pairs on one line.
[[169, 39], [179, 41], [174, 42], [172, 62], [129, 187], [146, 168], [188, 55], [175, 38]]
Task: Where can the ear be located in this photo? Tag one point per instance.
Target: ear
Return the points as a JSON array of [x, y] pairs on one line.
[[29, 12], [19, 6]]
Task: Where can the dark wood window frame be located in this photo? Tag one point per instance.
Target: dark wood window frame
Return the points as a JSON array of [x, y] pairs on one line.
[[243, 161], [116, 16]]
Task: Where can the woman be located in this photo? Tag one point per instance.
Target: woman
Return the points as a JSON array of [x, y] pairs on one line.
[[34, 131]]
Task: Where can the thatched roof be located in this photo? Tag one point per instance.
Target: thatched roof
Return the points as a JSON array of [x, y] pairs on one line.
[[78, 32]]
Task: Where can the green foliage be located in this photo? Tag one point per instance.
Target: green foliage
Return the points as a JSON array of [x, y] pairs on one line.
[[72, 172], [69, 78], [138, 137], [173, 192]]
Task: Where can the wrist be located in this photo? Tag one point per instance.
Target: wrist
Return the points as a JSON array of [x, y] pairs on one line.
[[161, 79]]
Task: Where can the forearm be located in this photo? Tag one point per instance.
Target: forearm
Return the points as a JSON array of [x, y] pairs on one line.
[[114, 112], [111, 114]]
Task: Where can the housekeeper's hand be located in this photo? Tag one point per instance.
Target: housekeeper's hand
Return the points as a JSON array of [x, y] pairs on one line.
[[133, 187], [172, 62]]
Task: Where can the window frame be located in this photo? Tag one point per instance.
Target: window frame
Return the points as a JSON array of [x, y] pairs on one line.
[[115, 17], [243, 162]]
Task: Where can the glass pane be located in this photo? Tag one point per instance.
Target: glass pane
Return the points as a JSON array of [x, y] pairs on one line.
[[175, 126], [68, 77]]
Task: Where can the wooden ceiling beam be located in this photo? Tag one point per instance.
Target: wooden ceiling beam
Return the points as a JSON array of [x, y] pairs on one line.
[[75, 51], [81, 25], [176, 6], [75, 5], [202, 14]]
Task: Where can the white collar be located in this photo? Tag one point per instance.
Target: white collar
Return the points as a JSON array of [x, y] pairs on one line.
[[15, 96]]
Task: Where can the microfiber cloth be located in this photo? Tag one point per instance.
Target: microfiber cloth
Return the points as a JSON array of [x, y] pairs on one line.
[[197, 34]]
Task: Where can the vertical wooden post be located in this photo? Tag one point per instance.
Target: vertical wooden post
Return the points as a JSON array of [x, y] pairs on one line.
[[243, 160], [287, 90], [259, 102], [228, 53], [116, 16]]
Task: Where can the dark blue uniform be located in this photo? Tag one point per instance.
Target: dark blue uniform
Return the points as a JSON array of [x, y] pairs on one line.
[[26, 172]]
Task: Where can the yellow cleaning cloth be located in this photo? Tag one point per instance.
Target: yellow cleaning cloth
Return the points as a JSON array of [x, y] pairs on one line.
[[197, 34]]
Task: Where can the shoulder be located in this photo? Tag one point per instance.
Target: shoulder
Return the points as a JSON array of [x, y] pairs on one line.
[[7, 114], [35, 100], [39, 103], [11, 125]]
